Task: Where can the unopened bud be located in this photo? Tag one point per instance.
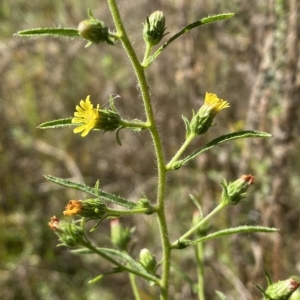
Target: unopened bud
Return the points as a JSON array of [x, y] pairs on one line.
[[281, 290], [69, 234], [93, 30], [234, 192], [147, 259], [154, 28], [120, 236]]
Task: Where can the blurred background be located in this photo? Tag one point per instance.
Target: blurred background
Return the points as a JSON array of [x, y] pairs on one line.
[[252, 61]]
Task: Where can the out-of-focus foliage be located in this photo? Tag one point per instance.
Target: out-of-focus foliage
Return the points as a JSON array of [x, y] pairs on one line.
[[43, 79]]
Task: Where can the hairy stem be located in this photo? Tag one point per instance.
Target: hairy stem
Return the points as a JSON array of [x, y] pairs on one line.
[[200, 270], [181, 150], [144, 89]]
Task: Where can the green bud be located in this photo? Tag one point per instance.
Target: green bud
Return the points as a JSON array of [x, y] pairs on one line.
[[234, 192], [93, 31], [69, 234], [154, 28], [147, 259], [281, 290], [120, 236]]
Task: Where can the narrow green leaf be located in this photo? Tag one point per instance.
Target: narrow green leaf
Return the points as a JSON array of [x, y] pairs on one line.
[[91, 190], [98, 278], [123, 258], [186, 29], [57, 123], [240, 229], [223, 139], [221, 295], [218, 17], [55, 32], [187, 125], [268, 277]]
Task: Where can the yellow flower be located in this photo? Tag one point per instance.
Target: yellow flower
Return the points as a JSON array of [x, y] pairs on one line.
[[203, 119], [73, 207], [86, 114], [213, 104]]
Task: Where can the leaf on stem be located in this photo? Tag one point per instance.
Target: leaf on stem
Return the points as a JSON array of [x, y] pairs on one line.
[[55, 32], [223, 139], [57, 124], [91, 190], [229, 231], [123, 258]]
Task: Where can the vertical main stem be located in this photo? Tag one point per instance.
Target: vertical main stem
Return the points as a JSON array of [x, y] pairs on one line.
[[144, 89]]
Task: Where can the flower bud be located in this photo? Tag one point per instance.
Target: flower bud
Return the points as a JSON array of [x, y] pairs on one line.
[[281, 290], [234, 192], [120, 236], [93, 30], [154, 28], [90, 208], [69, 234], [147, 259]]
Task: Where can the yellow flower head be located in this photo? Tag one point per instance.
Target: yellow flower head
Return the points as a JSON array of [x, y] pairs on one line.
[[73, 208], [214, 104], [203, 119], [87, 116]]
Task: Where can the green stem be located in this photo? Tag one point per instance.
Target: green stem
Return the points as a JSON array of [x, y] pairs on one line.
[[180, 151], [147, 53], [134, 287], [134, 124], [201, 223], [200, 270], [144, 89]]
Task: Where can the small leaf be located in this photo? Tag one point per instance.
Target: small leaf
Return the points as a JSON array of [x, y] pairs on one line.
[[197, 204], [240, 229], [91, 190], [215, 18], [223, 139], [268, 277], [57, 124], [98, 278], [55, 32], [187, 125], [221, 295]]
